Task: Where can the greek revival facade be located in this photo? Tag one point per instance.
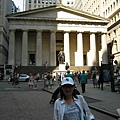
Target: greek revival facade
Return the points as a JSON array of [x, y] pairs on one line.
[[38, 35]]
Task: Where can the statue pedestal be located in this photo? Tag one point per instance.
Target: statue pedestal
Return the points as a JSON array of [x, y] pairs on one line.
[[62, 70], [62, 67]]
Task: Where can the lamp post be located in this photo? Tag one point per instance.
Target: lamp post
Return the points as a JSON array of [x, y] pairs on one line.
[[112, 73]]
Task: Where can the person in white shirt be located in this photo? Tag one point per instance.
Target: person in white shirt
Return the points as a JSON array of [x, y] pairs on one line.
[[71, 106]]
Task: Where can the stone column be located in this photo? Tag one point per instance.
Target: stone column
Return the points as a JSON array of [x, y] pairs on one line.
[[104, 49], [67, 47], [118, 39], [79, 53], [25, 48], [53, 49], [39, 49], [92, 50], [11, 55]]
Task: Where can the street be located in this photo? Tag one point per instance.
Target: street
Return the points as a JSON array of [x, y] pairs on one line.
[[27, 104]]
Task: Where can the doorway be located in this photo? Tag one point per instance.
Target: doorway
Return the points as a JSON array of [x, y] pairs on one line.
[[57, 62], [84, 59], [31, 59]]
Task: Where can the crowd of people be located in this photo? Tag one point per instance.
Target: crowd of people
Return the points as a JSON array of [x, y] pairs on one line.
[[68, 103], [80, 78]]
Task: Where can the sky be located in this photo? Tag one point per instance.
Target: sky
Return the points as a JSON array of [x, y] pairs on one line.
[[19, 3]]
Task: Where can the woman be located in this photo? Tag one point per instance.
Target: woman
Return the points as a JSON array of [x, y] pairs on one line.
[[31, 79], [70, 106], [94, 79]]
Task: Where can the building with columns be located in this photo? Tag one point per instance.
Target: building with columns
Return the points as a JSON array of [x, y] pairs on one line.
[[36, 36], [108, 9]]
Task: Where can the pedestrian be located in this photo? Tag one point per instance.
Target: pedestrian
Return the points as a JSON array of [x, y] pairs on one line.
[[100, 81], [11, 78], [35, 81], [83, 78], [38, 76], [94, 79], [71, 106], [15, 81], [79, 77], [49, 80], [97, 77], [118, 79], [31, 79], [45, 80], [69, 75]]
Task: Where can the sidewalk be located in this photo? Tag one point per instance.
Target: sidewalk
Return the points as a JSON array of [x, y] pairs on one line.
[[101, 100]]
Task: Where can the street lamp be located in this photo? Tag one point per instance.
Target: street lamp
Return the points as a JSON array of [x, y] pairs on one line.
[[112, 73]]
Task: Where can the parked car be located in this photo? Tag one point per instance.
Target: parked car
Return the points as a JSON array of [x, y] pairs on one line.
[[24, 77]]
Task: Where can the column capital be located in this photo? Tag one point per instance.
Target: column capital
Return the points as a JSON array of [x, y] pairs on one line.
[[52, 31], [66, 32], [25, 30], [103, 33], [39, 30], [80, 32], [92, 33]]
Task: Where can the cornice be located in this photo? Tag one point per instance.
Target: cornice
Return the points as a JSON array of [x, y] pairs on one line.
[[58, 6], [63, 21], [113, 25]]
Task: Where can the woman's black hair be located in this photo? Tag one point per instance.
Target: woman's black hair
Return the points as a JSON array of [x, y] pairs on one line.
[[75, 93]]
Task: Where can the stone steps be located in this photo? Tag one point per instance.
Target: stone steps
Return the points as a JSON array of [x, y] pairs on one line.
[[41, 69]]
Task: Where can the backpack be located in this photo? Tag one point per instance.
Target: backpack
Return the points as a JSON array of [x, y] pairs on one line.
[[48, 77]]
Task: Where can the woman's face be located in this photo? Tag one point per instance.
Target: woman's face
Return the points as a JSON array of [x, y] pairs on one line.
[[68, 89]]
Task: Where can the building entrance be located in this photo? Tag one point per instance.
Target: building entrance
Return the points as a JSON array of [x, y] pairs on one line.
[[57, 62], [31, 59]]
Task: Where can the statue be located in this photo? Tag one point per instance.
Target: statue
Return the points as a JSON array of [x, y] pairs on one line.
[[61, 57]]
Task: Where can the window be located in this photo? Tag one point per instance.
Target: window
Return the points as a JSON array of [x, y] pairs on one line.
[[59, 41], [115, 19], [108, 10], [68, 3], [111, 7], [34, 1], [116, 2], [29, 1], [114, 5], [38, 1], [29, 5]]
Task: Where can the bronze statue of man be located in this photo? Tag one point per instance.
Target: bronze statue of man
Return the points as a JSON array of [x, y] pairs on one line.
[[61, 57]]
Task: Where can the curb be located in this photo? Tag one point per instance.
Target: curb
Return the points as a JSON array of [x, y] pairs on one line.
[[104, 111], [95, 108]]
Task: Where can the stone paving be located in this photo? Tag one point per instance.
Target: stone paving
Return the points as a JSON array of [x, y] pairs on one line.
[[24, 103], [102, 99], [27, 104]]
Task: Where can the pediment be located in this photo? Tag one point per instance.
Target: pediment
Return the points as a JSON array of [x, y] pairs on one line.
[[58, 12]]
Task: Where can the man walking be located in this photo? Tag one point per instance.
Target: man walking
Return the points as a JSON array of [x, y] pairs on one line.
[[83, 78], [69, 75]]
